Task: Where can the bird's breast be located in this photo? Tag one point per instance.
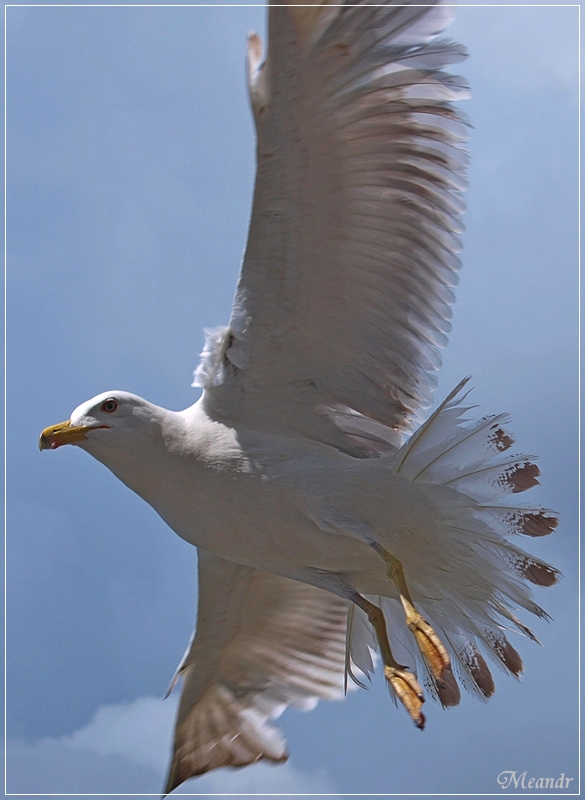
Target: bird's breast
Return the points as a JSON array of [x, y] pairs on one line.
[[251, 513]]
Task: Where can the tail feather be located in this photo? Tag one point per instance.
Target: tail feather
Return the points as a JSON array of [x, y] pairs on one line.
[[532, 522], [472, 577], [515, 474], [518, 624], [480, 575], [532, 569], [435, 430], [467, 448], [447, 690], [507, 655], [474, 673]]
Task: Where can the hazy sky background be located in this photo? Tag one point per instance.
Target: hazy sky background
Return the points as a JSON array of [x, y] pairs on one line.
[[130, 168]]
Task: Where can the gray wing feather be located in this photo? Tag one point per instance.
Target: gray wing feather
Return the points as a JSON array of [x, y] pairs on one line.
[[262, 642], [345, 291]]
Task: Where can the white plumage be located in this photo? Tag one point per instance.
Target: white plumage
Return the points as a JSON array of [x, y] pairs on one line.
[[294, 474]]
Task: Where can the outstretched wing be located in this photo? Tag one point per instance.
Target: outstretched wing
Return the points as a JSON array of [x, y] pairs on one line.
[[345, 291], [261, 643]]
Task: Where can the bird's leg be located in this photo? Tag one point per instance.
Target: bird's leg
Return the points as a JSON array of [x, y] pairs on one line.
[[431, 647], [400, 678]]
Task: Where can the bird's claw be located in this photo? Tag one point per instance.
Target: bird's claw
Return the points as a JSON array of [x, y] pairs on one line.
[[408, 691], [431, 647]]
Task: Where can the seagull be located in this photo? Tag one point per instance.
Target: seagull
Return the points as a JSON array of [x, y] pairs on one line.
[[336, 531]]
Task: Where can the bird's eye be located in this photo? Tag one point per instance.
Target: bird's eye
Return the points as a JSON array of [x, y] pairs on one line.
[[110, 405]]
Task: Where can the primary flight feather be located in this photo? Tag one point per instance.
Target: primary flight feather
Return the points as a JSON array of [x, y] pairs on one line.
[[297, 474]]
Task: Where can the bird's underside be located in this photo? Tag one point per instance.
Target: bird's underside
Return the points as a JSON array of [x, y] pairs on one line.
[[328, 531]]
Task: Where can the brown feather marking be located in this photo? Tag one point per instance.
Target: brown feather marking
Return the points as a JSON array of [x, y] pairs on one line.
[[520, 477], [541, 524], [532, 522], [507, 654], [478, 670], [500, 439], [448, 689], [536, 572]]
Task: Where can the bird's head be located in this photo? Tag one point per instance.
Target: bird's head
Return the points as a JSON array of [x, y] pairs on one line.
[[111, 419]]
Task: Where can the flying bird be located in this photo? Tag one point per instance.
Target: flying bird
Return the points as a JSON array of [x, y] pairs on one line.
[[334, 530]]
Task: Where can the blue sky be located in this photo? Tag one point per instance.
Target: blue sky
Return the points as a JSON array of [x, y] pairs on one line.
[[130, 169]]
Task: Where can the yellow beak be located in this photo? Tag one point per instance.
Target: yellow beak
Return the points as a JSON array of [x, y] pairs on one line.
[[63, 433]]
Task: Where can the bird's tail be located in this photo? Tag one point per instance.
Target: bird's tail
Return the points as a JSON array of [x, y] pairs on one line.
[[477, 576]]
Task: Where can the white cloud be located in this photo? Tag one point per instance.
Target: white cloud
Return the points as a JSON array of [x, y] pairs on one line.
[[139, 731], [124, 749]]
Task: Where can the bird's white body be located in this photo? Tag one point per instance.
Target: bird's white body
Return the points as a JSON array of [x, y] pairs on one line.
[[302, 509], [273, 493]]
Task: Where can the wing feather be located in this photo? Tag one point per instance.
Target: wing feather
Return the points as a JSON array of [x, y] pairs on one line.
[[262, 642], [345, 291]]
